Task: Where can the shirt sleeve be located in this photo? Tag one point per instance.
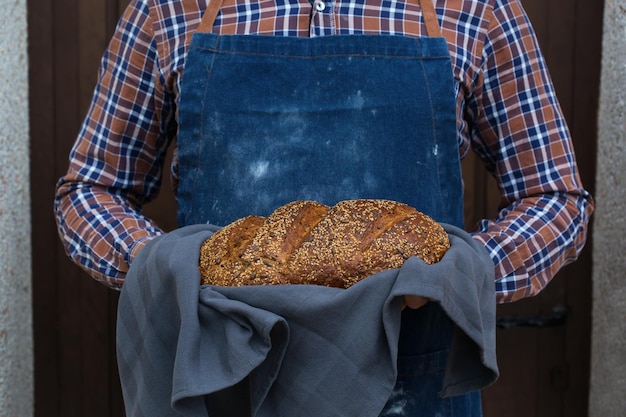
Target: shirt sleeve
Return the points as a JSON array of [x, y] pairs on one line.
[[116, 162], [520, 133]]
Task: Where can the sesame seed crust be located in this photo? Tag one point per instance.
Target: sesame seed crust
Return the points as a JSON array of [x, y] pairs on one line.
[[305, 242]]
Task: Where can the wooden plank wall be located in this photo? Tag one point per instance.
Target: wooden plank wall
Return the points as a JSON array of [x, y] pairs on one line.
[[75, 368], [544, 371]]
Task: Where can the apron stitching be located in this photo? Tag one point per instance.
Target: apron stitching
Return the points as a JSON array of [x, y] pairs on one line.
[[235, 52], [435, 136], [197, 173]]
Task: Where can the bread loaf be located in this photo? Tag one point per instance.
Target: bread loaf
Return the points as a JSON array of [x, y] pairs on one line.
[[305, 242]]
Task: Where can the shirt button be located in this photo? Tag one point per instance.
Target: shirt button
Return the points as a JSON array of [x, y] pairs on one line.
[[320, 6]]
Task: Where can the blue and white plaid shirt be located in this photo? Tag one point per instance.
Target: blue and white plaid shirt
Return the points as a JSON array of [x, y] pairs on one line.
[[507, 113]]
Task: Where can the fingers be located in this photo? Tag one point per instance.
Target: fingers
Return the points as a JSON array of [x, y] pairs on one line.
[[413, 301]]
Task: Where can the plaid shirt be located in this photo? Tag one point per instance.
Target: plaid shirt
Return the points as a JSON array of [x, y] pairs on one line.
[[507, 113]]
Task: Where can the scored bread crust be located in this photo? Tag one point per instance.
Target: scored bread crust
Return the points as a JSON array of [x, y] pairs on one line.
[[305, 242]]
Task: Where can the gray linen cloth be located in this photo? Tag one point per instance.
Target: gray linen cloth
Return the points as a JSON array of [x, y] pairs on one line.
[[308, 350]]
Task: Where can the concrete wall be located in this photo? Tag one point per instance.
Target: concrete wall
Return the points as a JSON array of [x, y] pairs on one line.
[[16, 344], [608, 373]]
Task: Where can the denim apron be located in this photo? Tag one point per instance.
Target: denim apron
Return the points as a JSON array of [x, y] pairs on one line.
[[265, 120]]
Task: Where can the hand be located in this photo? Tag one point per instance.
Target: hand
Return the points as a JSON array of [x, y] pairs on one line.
[[414, 301]]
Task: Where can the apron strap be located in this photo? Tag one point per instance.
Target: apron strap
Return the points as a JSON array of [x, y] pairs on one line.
[[433, 29], [208, 19], [428, 11]]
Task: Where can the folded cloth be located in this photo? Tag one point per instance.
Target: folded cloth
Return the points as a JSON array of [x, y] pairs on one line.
[[307, 350]]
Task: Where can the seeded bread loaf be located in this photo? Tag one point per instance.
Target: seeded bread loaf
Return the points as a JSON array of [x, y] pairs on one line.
[[305, 242]]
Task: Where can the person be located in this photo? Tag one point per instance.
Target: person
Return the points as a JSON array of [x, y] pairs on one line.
[[474, 79]]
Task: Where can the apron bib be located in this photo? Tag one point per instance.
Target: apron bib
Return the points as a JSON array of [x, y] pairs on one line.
[[325, 119], [265, 120]]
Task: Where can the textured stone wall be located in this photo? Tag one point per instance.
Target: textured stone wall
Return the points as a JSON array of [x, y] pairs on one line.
[[16, 344], [608, 362]]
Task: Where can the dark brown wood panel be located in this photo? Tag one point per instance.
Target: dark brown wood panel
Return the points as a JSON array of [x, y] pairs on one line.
[[66, 115], [586, 93], [569, 33], [44, 246], [545, 371], [75, 369]]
